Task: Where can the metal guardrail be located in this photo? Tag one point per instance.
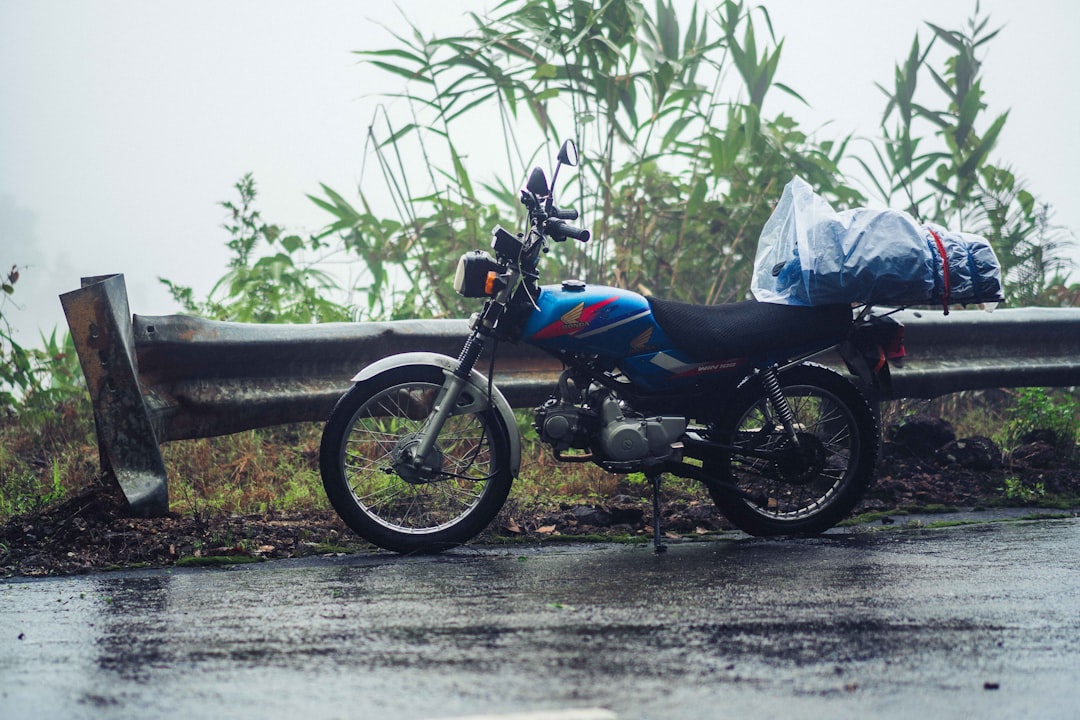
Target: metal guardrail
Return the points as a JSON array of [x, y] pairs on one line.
[[157, 379]]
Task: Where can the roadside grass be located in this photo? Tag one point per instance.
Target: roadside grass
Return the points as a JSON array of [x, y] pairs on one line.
[[44, 458], [253, 472], [972, 413], [543, 480], [275, 471]]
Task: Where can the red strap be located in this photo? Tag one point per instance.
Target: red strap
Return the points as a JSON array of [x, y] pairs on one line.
[[944, 270]]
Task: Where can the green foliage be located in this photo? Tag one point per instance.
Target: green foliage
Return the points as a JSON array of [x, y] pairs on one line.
[[681, 161], [677, 175], [15, 369], [409, 260], [34, 380], [45, 455], [1024, 491], [268, 280], [25, 492], [303, 491], [1041, 409]]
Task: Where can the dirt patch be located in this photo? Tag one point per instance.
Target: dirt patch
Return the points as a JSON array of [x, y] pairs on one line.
[[89, 531]]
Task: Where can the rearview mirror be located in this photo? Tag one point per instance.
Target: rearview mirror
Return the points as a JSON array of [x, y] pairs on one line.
[[568, 153]]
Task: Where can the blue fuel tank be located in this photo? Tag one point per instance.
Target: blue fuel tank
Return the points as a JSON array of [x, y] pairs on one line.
[[594, 319], [618, 324]]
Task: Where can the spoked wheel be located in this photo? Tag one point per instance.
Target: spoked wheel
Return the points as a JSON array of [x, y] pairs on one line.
[[776, 486], [365, 460]]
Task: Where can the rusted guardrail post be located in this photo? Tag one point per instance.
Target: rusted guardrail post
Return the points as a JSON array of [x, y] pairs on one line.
[[100, 324]]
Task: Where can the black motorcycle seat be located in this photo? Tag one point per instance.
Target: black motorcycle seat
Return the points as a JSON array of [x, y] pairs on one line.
[[750, 328]]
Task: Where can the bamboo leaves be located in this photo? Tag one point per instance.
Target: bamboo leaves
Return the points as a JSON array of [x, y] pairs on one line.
[[955, 183], [640, 86], [678, 168]]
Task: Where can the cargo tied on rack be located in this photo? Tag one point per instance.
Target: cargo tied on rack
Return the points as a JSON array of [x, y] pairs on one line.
[[810, 254]]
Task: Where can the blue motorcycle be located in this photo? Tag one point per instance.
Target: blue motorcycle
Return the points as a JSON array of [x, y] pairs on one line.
[[419, 455]]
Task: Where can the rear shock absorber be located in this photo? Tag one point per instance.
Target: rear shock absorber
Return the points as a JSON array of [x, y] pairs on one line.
[[770, 380]]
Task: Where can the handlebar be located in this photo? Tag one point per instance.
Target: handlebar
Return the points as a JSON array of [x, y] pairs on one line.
[[550, 220], [559, 230]]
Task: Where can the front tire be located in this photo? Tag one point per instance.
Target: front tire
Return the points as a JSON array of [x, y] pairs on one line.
[[804, 490], [371, 427]]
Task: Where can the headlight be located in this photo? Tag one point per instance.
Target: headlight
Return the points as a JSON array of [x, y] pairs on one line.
[[472, 276]]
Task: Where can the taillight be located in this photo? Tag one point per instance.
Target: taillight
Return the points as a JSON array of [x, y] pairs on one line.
[[894, 347]]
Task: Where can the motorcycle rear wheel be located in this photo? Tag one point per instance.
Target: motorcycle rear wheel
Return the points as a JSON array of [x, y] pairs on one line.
[[380, 499], [804, 490]]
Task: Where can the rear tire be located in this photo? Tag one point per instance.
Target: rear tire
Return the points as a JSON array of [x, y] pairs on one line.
[[406, 512], [808, 490]]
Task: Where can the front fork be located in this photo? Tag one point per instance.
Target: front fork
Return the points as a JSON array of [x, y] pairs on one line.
[[446, 401]]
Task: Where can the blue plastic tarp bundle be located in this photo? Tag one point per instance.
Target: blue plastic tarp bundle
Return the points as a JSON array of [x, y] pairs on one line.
[[809, 254]]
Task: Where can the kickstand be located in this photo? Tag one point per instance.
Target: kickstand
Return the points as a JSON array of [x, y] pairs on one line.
[[658, 545]]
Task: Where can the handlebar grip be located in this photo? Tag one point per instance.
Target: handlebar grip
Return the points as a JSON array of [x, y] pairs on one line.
[[565, 214], [559, 230]]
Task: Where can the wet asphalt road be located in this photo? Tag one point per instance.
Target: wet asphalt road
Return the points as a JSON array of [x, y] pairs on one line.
[[977, 621]]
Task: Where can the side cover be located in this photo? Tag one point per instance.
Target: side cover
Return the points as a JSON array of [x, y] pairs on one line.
[[476, 381]]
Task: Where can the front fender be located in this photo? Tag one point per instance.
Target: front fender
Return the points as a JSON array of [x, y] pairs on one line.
[[477, 381]]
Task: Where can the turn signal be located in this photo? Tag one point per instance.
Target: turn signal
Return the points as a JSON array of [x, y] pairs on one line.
[[494, 283]]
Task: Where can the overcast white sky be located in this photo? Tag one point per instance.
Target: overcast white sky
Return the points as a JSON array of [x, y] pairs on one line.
[[123, 123]]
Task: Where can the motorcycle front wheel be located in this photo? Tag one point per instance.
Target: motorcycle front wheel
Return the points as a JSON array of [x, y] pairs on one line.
[[467, 476], [772, 486]]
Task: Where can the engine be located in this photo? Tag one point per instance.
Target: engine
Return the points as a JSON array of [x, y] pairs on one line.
[[608, 432]]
